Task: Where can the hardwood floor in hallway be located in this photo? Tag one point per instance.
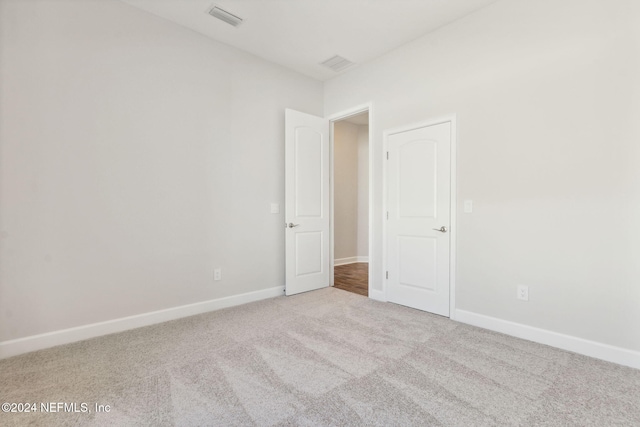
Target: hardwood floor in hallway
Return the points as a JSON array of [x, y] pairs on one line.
[[353, 278]]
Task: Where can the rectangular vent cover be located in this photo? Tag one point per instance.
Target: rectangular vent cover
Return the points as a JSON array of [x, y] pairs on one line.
[[337, 63], [225, 16]]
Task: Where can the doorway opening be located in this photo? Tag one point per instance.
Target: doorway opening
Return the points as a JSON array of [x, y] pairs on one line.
[[351, 217]]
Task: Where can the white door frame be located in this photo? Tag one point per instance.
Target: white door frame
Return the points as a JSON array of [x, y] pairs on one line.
[[368, 107], [451, 118]]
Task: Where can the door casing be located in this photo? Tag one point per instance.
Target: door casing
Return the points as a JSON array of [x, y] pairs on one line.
[[453, 200]]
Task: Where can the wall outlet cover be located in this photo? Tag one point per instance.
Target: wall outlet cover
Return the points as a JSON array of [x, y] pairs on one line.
[[523, 292]]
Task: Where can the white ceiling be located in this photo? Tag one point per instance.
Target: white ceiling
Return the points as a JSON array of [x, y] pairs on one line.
[[299, 34], [359, 119]]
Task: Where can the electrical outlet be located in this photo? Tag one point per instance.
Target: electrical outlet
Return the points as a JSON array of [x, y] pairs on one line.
[[217, 274], [523, 292]]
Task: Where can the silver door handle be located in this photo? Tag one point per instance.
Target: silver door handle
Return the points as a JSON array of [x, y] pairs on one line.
[[291, 225], [442, 229]]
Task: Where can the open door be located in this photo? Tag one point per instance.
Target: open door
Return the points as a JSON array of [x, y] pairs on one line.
[[307, 202]]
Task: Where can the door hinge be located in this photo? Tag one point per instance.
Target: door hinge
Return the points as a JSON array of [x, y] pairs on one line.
[[387, 155], [387, 214], [387, 275]]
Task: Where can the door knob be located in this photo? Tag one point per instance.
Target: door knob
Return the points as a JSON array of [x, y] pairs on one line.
[[442, 229], [291, 225]]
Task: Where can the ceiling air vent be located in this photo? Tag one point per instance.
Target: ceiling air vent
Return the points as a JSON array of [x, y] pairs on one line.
[[225, 16], [337, 63]]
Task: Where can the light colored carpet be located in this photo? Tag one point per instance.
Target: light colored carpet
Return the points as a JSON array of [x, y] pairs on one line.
[[327, 357]]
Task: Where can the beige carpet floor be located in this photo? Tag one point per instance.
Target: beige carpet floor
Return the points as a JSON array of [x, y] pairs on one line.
[[322, 358]]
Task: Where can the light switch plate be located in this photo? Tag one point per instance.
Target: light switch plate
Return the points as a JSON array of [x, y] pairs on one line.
[[468, 206], [275, 208]]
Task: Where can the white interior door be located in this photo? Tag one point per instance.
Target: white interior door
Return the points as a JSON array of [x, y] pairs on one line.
[[418, 225], [307, 207]]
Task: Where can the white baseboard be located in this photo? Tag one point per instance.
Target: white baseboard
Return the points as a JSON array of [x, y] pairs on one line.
[[594, 349], [377, 295], [66, 336], [350, 260]]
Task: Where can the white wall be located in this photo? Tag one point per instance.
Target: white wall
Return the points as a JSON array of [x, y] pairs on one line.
[[547, 97], [135, 156]]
